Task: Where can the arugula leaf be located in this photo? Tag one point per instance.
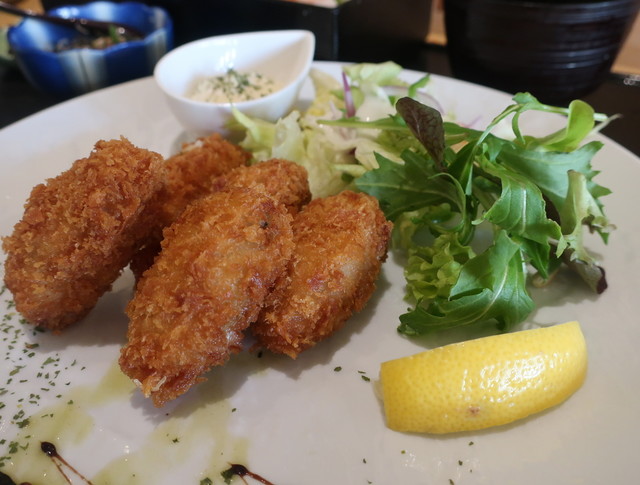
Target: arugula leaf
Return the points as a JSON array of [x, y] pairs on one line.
[[491, 286], [580, 122], [548, 170], [579, 210], [537, 195], [412, 92], [404, 188], [521, 210]]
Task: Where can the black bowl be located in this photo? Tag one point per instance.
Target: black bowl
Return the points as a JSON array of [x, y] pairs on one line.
[[556, 51]]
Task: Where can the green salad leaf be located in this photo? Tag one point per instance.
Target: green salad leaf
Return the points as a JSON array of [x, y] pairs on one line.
[[531, 197], [491, 285], [479, 214]]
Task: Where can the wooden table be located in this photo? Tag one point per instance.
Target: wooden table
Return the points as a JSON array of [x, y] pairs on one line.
[[8, 19]]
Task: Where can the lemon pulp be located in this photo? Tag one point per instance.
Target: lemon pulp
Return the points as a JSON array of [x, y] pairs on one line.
[[485, 382]]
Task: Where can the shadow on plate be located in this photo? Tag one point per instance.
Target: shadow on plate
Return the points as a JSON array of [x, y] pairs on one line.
[[106, 323]]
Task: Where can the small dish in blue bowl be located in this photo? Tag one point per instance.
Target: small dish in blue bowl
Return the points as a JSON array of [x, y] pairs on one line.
[[51, 58]]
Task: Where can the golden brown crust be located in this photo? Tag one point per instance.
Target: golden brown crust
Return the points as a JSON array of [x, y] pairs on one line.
[[286, 181], [78, 231], [218, 262], [191, 174], [340, 244]]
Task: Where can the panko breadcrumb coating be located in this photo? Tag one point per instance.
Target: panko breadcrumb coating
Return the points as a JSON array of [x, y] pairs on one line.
[[340, 244], [218, 263], [78, 231], [191, 174], [286, 181]]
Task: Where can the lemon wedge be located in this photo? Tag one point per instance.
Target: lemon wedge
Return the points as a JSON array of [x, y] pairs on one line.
[[485, 382]]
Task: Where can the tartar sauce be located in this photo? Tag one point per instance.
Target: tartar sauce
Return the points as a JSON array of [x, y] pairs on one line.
[[233, 87]]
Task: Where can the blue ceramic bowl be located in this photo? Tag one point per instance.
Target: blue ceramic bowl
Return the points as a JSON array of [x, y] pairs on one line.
[[71, 72]]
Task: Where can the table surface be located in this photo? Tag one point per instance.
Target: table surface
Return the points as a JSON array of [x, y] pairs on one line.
[[618, 95]]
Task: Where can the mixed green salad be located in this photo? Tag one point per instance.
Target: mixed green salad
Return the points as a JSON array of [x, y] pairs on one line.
[[479, 216]]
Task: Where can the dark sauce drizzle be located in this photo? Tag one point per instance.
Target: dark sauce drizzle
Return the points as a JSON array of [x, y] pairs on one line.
[[242, 471], [49, 449]]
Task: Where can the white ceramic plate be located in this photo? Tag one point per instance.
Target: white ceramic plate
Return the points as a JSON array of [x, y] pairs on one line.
[[301, 422]]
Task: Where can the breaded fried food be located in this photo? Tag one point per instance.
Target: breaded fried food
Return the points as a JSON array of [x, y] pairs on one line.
[[79, 230], [218, 262], [340, 244], [286, 181], [191, 174]]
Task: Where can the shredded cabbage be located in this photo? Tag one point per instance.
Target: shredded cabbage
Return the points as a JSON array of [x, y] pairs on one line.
[[332, 155]]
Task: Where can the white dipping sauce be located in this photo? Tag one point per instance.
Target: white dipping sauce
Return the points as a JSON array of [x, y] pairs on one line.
[[233, 87]]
